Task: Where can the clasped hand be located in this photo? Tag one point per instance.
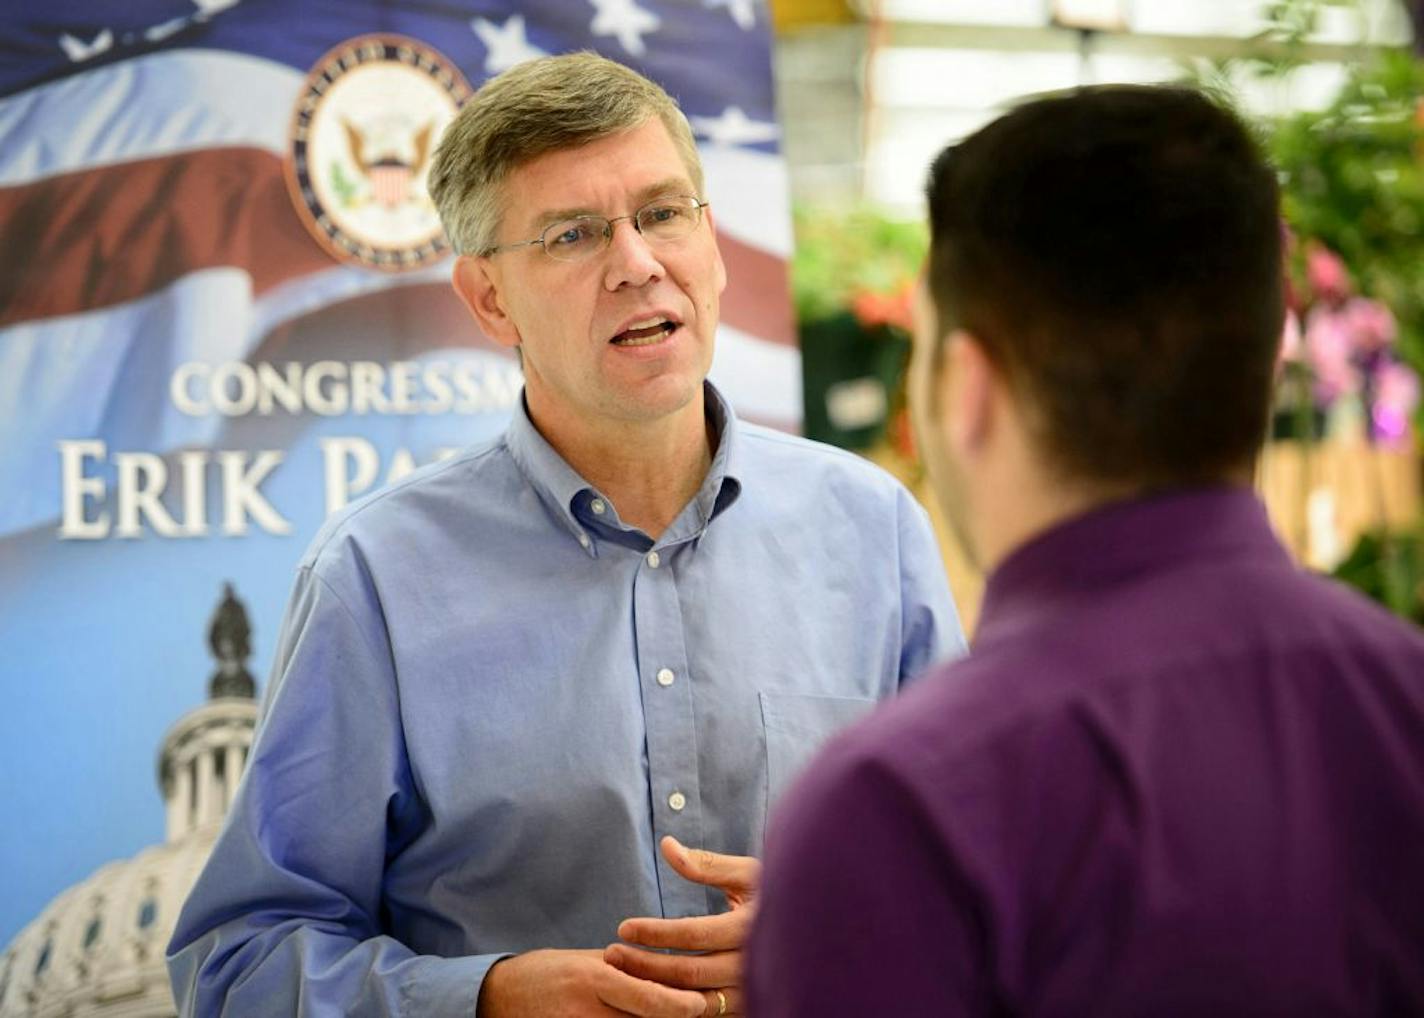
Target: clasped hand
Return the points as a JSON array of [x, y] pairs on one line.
[[634, 977]]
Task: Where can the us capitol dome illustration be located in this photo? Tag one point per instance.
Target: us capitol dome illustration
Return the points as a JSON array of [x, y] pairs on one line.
[[96, 951]]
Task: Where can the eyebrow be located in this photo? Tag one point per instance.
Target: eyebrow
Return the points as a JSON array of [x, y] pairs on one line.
[[669, 185]]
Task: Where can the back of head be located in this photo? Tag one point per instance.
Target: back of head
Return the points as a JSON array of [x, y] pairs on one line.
[[1117, 253], [538, 107]]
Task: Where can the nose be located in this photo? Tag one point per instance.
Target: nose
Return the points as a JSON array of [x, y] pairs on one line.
[[630, 260]]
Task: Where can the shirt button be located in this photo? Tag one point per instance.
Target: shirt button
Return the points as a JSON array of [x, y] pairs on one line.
[[677, 801], [665, 677], [598, 506], [653, 560], [583, 540]]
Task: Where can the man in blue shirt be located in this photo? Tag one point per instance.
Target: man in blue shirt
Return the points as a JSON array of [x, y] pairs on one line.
[[506, 684]]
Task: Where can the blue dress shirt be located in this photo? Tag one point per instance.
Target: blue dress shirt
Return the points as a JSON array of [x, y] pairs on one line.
[[491, 698]]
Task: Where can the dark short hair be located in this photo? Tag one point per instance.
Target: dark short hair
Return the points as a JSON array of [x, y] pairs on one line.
[[1117, 253]]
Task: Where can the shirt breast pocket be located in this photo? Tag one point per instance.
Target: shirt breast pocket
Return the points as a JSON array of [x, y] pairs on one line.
[[796, 725]]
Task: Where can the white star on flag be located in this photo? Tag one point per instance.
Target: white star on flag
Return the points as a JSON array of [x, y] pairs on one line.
[[505, 47], [743, 12], [77, 49], [160, 32], [626, 20], [734, 127]]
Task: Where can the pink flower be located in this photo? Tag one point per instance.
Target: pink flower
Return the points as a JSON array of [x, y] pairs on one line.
[[1371, 325], [1329, 344], [1326, 273], [1396, 396]]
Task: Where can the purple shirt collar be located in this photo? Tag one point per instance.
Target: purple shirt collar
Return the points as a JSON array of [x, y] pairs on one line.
[[1118, 540]]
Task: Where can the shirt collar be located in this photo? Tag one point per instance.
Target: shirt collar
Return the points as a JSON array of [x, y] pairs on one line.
[[723, 484], [566, 492], [1122, 539]]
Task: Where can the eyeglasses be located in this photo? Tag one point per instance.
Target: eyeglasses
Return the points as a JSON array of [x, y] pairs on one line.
[[573, 240]]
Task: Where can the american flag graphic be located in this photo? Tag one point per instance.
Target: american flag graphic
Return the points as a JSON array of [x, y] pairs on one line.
[[147, 223], [144, 222]]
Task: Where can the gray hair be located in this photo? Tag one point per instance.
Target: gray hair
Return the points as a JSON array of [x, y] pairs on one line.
[[538, 107]]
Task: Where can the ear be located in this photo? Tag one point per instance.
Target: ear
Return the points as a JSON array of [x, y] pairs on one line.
[[969, 395], [716, 250], [477, 282]]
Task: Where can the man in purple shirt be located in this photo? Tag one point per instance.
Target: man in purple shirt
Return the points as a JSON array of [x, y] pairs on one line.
[[1177, 775]]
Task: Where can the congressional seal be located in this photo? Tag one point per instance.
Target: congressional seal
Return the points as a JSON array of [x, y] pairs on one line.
[[363, 132]]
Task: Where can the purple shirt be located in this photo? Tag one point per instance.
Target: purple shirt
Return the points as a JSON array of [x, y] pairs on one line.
[[1176, 776]]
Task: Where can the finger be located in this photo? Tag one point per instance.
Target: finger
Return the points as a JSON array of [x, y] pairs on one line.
[[736, 874], [646, 999], [724, 932], [736, 1002], [688, 971]]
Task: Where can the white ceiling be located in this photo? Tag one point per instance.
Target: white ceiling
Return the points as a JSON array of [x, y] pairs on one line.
[[927, 96]]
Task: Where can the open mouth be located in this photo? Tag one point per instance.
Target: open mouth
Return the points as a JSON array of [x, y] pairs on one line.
[[654, 330]]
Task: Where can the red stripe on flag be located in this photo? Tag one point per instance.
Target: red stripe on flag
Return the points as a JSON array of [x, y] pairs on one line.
[[89, 240], [758, 297], [83, 241], [398, 323]]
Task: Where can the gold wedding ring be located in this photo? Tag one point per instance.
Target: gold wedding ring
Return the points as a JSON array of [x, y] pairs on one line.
[[721, 1002]]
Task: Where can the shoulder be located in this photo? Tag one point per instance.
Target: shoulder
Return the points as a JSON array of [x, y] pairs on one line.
[[1229, 621], [936, 724], [768, 446], [1045, 698], [953, 719], [443, 486], [791, 463], [956, 745], [906, 780], [1339, 610]]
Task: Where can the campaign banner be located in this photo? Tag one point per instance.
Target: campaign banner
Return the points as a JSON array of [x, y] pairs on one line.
[[225, 313]]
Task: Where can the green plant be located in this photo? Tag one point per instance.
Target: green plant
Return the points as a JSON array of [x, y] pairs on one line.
[[1390, 569], [1352, 174], [1275, 51], [852, 279], [1352, 181], [1353, 178], [842, 255]]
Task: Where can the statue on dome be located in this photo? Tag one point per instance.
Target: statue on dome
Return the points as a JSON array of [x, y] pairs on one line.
[[230, 638]]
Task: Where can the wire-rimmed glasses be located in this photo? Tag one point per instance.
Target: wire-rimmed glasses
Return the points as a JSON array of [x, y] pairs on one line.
[[580, 237]]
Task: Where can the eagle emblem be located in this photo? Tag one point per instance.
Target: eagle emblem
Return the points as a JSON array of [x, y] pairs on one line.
[[389, 175], [363, 133]]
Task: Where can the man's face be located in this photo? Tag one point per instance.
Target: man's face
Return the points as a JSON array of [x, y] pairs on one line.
[[573, 319], [929, 412]]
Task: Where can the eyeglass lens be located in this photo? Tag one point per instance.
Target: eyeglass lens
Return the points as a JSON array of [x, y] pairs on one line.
[[664, 219]]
